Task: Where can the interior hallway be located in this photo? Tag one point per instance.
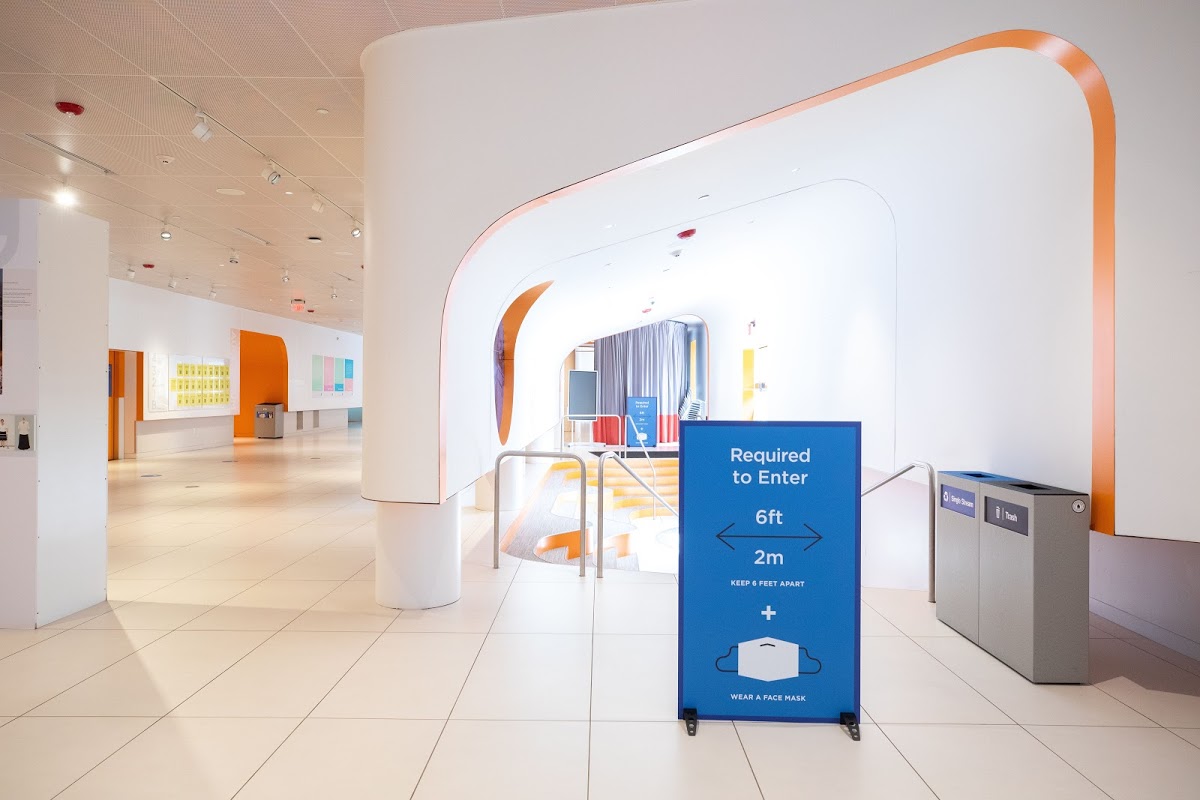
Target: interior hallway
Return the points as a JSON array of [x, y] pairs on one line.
[[241, 653]]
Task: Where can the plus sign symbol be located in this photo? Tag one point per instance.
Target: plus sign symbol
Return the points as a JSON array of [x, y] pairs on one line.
[[768, 612]]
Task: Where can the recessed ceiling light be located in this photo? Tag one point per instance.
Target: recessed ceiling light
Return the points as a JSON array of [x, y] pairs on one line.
[[318, 205], [314, 240], [322, 110], [230, 191], [608, 226], [289, 192], [129, 273], [356, 231], [342, 253], [165, 235], [65, 197]]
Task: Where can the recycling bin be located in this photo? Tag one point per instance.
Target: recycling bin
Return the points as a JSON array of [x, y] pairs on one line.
[[268, 420], [956, 571], [1033, 579]]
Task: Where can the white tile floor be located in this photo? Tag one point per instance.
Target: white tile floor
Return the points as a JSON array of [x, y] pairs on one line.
[[241, 653]]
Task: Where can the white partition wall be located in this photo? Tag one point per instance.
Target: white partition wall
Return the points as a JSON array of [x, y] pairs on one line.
[[53, 495]]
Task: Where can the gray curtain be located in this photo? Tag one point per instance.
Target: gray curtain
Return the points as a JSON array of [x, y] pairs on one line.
[[650, 361]]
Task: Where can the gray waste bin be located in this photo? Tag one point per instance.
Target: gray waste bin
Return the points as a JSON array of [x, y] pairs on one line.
[[268, 420], [957, 548], [1033, 580]]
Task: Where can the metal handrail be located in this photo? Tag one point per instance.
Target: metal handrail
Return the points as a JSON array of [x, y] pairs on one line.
[[932, 476], [557, 456], [600, 503]]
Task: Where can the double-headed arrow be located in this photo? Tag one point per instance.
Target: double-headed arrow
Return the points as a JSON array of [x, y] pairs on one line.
[[725, 537]]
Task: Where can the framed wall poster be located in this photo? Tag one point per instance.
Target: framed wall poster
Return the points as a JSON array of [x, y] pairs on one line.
[[17, 434]]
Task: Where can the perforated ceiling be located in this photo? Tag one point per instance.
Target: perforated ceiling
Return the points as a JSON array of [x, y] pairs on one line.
[[260, 70]]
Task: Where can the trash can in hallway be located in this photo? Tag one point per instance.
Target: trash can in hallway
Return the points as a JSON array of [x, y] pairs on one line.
[[268, 420], [956, 572], [1033, 580]]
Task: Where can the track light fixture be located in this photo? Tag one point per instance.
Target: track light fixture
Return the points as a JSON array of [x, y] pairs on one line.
[[271, 174], [202, 131], [129, 273], [333, 295], [171, 284], [212, 294], [318, 205], [286, 276], [356, 230], [165, 234], [234, 258]]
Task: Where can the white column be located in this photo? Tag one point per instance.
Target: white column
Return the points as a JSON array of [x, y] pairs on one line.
[[418, 554], [512, 487], [53, 494]]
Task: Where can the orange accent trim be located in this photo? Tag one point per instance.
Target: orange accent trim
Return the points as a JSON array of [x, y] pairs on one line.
[[263, 371], [1099, 100], [511, 322]]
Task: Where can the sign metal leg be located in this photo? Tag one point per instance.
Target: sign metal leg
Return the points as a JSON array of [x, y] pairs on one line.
[[691, 720], [849, 721]]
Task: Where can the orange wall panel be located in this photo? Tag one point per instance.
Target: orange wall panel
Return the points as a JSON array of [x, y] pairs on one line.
[[264, 377]]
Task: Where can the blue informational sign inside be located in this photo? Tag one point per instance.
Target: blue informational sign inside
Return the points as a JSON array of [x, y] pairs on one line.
[[958, 500], [769, 570], [641, 422]]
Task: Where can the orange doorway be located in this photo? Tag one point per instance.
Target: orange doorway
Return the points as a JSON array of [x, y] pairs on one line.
[[124, 402], [264, 377]]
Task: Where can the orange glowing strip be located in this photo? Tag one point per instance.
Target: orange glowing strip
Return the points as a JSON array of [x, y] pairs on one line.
[[1095, 91]]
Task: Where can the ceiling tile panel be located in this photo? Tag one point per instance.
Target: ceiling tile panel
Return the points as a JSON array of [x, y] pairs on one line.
[[167, 189], [342, 191], [18, 156], [300, 156], [299, 99], [12, 61], [230, 154], [349, 152], [355, 88], [418, 13], [91, 148], [251, 35], [41, 92], [111, 189], [145, 34], [38, 32], [141, 98], [336, 33], [20, 118], [147, 150], [234, 104], [522, 8], [117, 215], [210, 185]]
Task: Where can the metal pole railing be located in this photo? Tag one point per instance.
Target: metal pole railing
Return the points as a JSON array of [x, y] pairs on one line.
[[932, 476], [600, 503], [653, 472], [557, 456]]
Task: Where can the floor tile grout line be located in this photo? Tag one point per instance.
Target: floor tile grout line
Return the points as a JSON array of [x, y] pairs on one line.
[[1172, 731], [461, 689], [749, 763], [57, 632], [911, 766], [316, 705], [1057, 755], [965, 682]]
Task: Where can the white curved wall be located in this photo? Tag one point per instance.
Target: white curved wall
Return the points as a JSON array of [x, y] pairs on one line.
[[464, 124]]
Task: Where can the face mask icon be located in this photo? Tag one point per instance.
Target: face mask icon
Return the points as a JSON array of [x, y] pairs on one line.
[[768, 659]]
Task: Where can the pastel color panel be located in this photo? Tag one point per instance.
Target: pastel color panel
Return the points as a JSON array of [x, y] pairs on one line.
[[339, 375], [329, 373], [318, 373]]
